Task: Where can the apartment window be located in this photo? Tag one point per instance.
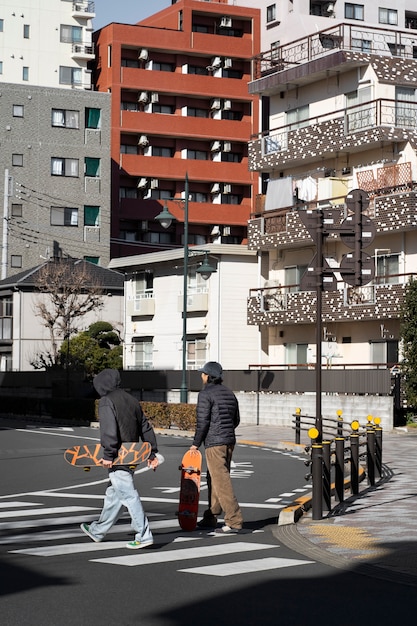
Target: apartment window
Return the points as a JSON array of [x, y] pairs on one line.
[[26, 31], [92, 167], [195, 112], [167, 109], [91, 215], [128, 192], [64, 216], [405, 108], [162, 151], [150, 237], [388, 16], [387, 269], [297, 117], [198, 70], [25, 73], [199, 155], [271, 12], [196, 352], [198, 196], [92, 259], [70, 75], [296, 354], [128, 149], [354, 11], [163, 67], [130, 63], [1, 25], [93, 118], [16, 260], [17, 160], [71, 34], [65, 118], [16, 210], [18, 110], [143, 283], [64, 167], [143, 352], [6, 316], [129, 106], [1, 67], [293, 275]]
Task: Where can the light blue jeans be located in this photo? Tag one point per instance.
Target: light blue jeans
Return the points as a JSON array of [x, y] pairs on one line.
[[122, 492]]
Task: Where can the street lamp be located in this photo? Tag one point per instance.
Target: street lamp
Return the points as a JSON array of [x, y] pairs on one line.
[[165, 218]]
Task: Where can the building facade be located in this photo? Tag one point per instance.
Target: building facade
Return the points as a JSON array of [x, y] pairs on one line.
[[55, 137], [217, 327], [180, 107], [340, 97]]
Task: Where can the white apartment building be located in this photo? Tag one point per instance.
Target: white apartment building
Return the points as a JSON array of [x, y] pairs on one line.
[[340, 113], [46, 42], [217, 327]]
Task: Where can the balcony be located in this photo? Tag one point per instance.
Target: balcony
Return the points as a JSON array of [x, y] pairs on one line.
[[196, 301], [272, 306], [347, 129], [142, 305], [82, 52], [83, 9], [354, 38], [392, 208]]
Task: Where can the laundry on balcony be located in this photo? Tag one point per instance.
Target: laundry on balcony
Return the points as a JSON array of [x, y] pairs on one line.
[[279, 193]]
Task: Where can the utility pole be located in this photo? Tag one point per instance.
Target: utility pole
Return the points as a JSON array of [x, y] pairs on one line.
[[8, 183]]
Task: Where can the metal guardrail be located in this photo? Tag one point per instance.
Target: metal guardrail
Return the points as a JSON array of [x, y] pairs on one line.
[[330, 457]]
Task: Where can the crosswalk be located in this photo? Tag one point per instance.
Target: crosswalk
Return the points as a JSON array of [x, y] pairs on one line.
[[36, 529]]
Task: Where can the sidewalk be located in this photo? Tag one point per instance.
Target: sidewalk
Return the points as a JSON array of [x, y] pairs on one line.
[[374, 532]]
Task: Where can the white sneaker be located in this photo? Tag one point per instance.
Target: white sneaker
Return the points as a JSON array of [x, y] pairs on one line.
[[86, 530], [136, 545]]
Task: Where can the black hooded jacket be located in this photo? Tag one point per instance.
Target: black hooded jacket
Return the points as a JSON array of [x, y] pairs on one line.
[[121, 416]]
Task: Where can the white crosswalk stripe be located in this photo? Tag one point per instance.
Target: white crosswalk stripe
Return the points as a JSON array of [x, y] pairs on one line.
[[50, 532]]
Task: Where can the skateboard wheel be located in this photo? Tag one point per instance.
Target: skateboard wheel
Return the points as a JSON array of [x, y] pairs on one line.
[[86, 469]]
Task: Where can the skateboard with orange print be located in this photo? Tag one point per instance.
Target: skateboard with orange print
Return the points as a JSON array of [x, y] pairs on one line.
[[87, 456], [189, 489]]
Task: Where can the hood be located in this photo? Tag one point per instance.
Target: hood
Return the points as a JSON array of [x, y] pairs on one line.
[[106, 381]]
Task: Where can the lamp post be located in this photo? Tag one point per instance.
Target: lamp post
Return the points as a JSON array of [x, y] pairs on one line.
[[165, 218]]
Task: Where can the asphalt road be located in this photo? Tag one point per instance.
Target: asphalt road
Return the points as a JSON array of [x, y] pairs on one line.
[[52, 573]]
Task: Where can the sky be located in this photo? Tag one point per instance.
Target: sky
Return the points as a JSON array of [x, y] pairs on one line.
[[126, 11]]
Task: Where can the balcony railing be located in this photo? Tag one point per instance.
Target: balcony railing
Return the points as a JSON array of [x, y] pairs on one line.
[[360, 117], [352, 37]]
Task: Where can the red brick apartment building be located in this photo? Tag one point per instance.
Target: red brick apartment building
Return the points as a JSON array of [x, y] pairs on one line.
[[180, 106]]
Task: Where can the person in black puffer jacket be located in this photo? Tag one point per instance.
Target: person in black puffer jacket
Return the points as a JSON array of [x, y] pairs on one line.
[[121, 420], [217, 418]]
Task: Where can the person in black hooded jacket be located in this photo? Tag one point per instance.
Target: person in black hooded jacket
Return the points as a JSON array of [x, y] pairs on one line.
[[217, 418], [121, 419]]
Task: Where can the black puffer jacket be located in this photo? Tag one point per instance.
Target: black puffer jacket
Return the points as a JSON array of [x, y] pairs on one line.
[[217, 416], [121, 416]]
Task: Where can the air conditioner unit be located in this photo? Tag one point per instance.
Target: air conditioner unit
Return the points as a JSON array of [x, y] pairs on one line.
[[226, 22], [143, 97], [227, 105], [227, 146], [216, 104], [227, 62], [143, 55], [226, 231], [142, 183], [227, 188], [329, 8], [154, 97], [215, 188], [143, 141], [215, 230], [216, 62], [154, 183], [215, 146]]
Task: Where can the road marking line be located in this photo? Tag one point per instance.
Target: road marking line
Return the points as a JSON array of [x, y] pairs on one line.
[[244, 567], [4, 505], [63, 509], [147, 558]]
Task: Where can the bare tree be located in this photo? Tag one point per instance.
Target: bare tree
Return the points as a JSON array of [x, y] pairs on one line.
[[69, 291]]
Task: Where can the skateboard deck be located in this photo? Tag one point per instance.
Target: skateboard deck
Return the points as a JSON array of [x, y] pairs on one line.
[[87, 456], [189, 489]]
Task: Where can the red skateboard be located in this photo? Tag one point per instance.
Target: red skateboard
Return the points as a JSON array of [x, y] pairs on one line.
[[189, 489], [89, 455]]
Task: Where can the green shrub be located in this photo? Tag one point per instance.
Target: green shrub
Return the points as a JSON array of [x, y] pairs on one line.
[[167, 414]]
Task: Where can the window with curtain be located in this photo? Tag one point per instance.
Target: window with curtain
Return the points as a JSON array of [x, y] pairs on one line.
[[297, 117], [92, 118], [92, 167], [64, 167], [91, 215], [143, 351], [405, 107], [64, 216], [65, 118]]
